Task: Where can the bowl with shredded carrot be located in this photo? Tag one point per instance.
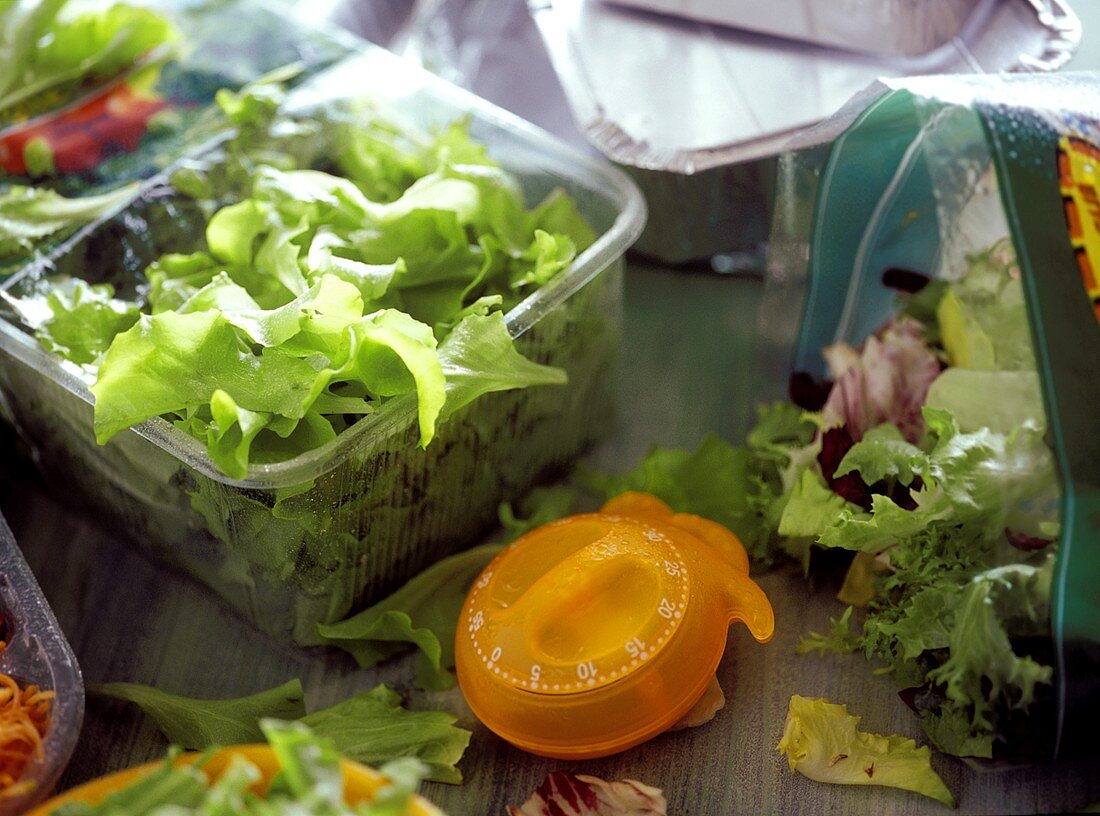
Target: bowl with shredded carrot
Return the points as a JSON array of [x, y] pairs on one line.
[[41, 690]]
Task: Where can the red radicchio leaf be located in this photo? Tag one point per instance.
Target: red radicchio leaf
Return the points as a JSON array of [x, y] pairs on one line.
[[806, 392], [1022, 541], [835, 443], [884, 380], [566, 794]]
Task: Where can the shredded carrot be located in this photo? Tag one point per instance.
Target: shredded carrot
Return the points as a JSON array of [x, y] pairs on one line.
[[24, 715]]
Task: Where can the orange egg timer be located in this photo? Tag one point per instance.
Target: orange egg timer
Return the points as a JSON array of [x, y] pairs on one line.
[[599, 631]]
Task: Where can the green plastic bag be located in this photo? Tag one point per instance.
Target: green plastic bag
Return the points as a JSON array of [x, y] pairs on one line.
[[905, 183]]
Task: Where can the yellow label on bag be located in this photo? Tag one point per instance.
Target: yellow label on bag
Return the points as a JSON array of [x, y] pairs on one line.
[[1079, 182]]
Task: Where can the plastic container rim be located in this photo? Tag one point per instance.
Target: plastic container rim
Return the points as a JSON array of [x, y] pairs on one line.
[[37, 624], [554, 156]]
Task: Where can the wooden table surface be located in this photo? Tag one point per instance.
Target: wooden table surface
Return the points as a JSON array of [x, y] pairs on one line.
[[685, 372]]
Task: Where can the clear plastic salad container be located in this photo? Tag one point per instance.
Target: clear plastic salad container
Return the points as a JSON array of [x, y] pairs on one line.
[[306, 540], [36, 652]]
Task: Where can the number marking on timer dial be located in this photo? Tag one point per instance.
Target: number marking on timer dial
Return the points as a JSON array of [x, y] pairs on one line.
[[506, 654]]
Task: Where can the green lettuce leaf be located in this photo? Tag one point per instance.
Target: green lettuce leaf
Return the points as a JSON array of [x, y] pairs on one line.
[[821, 741], [169, 362], [979, 479], [921, 623], [423, 613], [31, 214], [548, 255], [84, 320], [884, 453], [478, 357], [317, 297], [372, 727], [951, 730], [983, 666], [197, 724], [811, 508]]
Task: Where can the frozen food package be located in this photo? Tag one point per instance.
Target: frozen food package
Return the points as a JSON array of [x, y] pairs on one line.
[[43, 688], [890, 28], [933, 264], [696, 112]]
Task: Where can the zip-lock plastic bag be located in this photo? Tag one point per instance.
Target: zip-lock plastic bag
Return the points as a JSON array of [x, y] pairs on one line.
[[966, 207]]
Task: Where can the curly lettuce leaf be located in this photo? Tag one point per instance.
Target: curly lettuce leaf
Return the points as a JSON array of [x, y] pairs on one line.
[[372, 727], [838, 639], [921, 623], [950, 730], [821, 741], [979, 479], [983, 666], [422, 614]]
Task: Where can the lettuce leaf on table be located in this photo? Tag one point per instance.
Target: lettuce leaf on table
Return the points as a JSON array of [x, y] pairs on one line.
[[372, 728], [198, 724], [422, 614], [821, 741]]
